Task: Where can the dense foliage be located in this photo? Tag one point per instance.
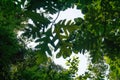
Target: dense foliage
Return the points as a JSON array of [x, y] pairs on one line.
[[98, 33]]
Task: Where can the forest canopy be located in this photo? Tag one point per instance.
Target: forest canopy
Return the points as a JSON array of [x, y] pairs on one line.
[[98, 33]]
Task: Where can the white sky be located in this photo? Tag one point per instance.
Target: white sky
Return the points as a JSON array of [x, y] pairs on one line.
[[82, 64], [70, 14]]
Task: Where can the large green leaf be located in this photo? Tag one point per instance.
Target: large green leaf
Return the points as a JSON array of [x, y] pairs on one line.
[[63, 30]]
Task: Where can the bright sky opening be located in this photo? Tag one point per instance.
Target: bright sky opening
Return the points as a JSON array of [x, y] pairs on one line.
[[70, 14]]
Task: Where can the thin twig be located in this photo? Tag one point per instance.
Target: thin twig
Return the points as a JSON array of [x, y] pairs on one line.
[[55, 18]]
